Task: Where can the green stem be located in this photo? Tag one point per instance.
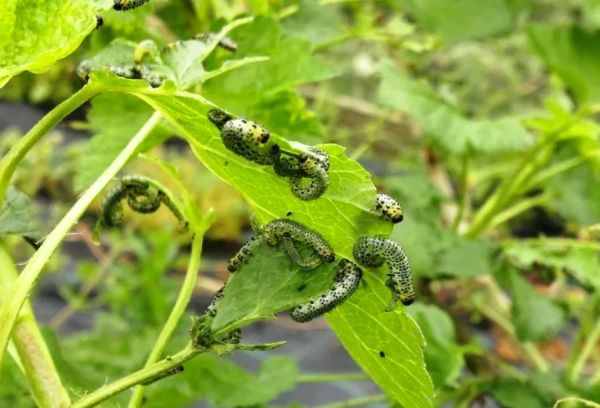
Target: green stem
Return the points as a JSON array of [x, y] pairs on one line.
[[32, 271], [333, 377], [181, 303], [145, 374], [462, 193], [517, 209], [584, 354], [9, 162], [35, 359], [356, 402]]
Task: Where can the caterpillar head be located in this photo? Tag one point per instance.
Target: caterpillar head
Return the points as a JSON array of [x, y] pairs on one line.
[[218, 117]]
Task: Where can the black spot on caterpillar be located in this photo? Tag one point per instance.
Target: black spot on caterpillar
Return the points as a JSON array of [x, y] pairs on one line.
[[288, 214], [144, 48], [374, 251], [168, 373], [99, 21], [301, 287], [346, 281], [128, 4], [382, 354], [243, 137], [389, 208], [287, 232], [225, 43]]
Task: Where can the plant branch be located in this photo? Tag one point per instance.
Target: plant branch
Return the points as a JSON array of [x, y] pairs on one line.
[[517, 209], [187, 289], [156, 370], [333, 377], [582, 357], [32, 352], [9, 162], [32, 271]]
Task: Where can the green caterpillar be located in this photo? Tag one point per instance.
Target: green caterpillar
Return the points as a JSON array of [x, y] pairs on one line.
[[128, 4], [144, 48], [289, 233], [374, 251], [141, 197], [389, 208], [244, 137], [346, 281]]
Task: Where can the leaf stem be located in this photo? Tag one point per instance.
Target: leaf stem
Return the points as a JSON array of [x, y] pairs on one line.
[[155, 370], [517, 209], [584, 354], [462, 193], [32, 271], [9, 162], [355, 402], [187, 289], [36, 361], [333, 377]]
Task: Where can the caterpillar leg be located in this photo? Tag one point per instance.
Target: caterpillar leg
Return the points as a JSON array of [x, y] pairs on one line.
[[346, 281], [374, 251]]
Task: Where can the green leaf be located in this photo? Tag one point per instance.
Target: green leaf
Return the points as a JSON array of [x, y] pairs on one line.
[[536, 317], [341, 215], [466, 259], [16, 215], [443, 355], [464, 19], [572, 53], [444, 124], [514, 394], [224, 384], [114, 119], [315, 22], [576, 257], [34, 34]]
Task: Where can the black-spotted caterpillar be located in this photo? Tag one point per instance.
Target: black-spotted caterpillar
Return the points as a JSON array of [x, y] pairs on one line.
[[289, 233], [128, 4], [225, 42], [141, 197], [346, 281], [374, 251], [389, 208], [314, 166], [244, 137], [234, 336]]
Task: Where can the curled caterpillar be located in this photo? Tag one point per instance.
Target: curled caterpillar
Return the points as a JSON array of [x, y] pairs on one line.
[[225, 42], [289, 233], [389, 208], [244, 137], [144, 48], [314, 166], [346, 281], [141, 196], [374, 251], [128, 4]]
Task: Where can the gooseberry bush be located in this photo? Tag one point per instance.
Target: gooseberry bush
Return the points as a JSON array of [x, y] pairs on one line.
[[150, 77]]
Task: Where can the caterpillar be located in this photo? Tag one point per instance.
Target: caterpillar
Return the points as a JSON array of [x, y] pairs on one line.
[[283, 229], [389, 208], [346, 281], [128, 4], [287, 232], [144, 48], [243, 137], [225, 42], [319, 179], [111, 209], [211, 309], [141, 197], [374, 251], [234, 336]]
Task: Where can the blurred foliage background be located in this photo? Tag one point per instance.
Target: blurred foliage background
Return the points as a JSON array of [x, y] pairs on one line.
[[481, 117]]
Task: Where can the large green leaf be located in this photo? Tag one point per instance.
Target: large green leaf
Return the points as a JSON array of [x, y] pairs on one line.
[[341, 215], [444, 123], [36, 33], [464, 19], [574, 54], [16, 215]]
